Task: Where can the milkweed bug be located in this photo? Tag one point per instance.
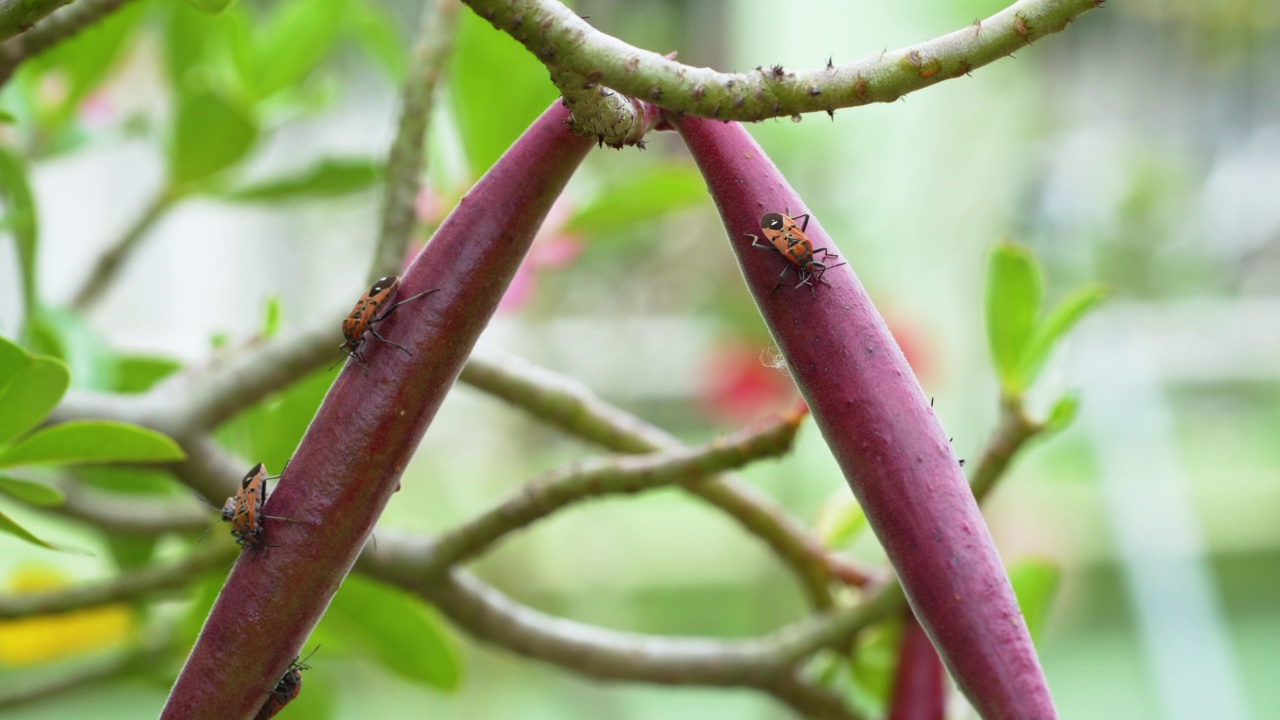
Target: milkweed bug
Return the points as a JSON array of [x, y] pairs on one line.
[[788, 238], [286, 689], [244, 509], [365, 315]]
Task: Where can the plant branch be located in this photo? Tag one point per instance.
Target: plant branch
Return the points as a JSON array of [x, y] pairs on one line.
[[18, 16], [129, 585], [570, 405], [407, 158], [608, 117], [613, 475], [562, 40], [53, 30], [810, 700], [1013, 432], [112, 261], [125, 662], [130, 514]]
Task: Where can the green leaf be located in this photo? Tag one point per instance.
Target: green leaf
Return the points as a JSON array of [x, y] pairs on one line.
[[873, 664], [1048, 331], [329, 177], [213, 7], [139, 373], [30, 387], [491, 115], [270, 431], [91, 441], [375, 31], [271, 317], [7, 525], [131, 551], [210, 134], [840, 520], [640, 199], [31, 492], [1035, 583], [1062, 414], [20, 220], [294, 40], [67, 336], [127, 480], [400, 631], [1013, 302]]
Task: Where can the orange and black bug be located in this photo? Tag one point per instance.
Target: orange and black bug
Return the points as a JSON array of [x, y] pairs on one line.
[[244, 509], [788, 238], [366, 314], [287, 689]]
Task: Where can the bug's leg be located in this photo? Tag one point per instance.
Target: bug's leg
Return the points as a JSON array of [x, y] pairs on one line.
[[775, 285], [391, 309], [360, 360], [755, 242], [806, 221], [393, 344], [826, 252]]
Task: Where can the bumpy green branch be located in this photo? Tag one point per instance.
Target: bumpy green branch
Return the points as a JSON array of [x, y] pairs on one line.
[[610, 476], [562, 40], [408, 157]]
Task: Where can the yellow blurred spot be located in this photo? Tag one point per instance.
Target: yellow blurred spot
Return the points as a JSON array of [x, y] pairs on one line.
[[35, 640]]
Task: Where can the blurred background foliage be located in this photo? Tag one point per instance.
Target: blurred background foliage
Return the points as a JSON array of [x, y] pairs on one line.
[[241, 143]]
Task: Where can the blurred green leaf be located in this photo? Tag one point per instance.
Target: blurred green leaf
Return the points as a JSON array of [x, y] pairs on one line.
[[840, 520], [67, 336], [1035, 583], [329, 177], [270, 431], [374, 30], [491, 115], [131, 551], [139, 373], [1012, 304], [128, 480], [640, 199], [20, 221], [32, 492], [7, 525], [873, 664], [1049, 330], [204, 51], [271, 317], [30, 387], [80, 63], [1062, 414], [213, 7], [91, 441], [293, 41], [400, 631], [7, 117], [318, 699], [210, 134]]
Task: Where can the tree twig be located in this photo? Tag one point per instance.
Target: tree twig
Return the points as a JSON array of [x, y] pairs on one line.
[[612, 475], [609, 117], [573, 407], [561, 39], [52, 30], [17, 16], [129, 585], [112, 261], [407, 157]]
